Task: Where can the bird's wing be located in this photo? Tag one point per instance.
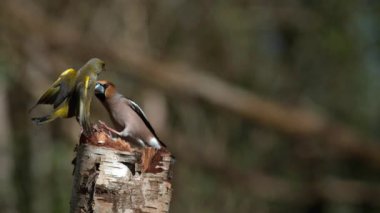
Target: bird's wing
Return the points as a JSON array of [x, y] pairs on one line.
[[141, 114], [86, 85], [74, 103], [80, 97], [49, 96], [64, 91], [84, 99], [56, 94]]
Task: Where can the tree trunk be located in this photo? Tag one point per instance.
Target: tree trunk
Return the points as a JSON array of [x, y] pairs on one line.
[[111, 175]]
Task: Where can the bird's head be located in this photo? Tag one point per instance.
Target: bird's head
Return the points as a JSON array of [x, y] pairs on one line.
[[104, 90], [97, 65]]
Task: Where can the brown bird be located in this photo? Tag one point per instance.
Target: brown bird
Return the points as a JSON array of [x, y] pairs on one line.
[[129, 119]]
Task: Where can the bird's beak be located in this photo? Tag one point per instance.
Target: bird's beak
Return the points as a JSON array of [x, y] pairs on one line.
[[99, 89]]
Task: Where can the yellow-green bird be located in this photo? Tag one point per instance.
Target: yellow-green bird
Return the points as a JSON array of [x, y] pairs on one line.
[[57, 95], [84, 90], [71, 94]]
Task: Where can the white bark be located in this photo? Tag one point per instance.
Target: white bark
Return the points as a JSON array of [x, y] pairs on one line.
[[111, 176]]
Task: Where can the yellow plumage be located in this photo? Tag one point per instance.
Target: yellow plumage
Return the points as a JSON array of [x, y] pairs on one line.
[[84, 90], [71, 94], [59, 90], [60, 112]]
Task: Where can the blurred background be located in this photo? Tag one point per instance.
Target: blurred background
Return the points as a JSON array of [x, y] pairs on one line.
[[269, 106]]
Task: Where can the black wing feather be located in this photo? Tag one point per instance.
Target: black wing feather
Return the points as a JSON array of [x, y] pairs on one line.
[[141, 114], [49, 96], [63, 92], [73, 104]]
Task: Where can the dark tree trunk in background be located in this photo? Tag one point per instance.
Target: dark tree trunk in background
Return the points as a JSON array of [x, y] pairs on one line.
[[112, 176], [21, 146]]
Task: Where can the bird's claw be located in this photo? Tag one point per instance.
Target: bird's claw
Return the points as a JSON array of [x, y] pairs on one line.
[[102, 123], [110, 130]]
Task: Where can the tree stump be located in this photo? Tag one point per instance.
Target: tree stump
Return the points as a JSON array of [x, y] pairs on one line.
[[112, 175]]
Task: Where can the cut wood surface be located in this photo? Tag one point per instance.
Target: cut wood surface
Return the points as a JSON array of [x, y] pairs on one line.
[[111, 175]]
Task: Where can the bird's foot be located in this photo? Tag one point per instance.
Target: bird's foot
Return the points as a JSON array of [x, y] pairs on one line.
[[111, 131]]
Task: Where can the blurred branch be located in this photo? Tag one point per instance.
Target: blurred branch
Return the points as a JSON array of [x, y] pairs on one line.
[[351, 191], [180, 78]]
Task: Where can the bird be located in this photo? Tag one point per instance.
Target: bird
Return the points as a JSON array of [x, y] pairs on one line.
[[129, 119], [84, 90], [71, 95], [57, 95]]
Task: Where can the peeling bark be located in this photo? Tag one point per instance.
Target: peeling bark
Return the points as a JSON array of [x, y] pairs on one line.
[[111, 175]]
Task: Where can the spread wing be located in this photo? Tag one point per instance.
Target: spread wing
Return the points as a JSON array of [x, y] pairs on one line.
[[49, 96], [62, 94], [59, 91], [55, 95], [141, 114]]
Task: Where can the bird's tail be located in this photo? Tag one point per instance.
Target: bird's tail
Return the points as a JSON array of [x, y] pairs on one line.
[[44, 119], [61, 112]]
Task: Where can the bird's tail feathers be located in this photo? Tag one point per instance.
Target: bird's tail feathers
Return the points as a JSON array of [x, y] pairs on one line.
[[43, 120]]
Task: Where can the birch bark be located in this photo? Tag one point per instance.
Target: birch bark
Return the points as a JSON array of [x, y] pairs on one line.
[[110, 175]]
